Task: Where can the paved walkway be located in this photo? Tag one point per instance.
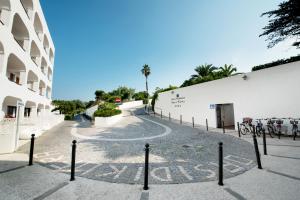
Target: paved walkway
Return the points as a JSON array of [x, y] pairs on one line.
[[178, 154], [279, 179]]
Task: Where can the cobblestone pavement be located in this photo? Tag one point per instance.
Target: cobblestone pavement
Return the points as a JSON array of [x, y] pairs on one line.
[[182, 155]]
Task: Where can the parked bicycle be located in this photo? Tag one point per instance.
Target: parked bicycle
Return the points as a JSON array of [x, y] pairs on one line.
[[246, 126], [259, 129], [274, 129], [295, 130]]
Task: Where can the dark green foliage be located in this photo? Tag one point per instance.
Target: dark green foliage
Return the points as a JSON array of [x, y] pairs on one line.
[[69, 107], [107, 112], [107, 105], [123, 92], [141, 96], [159, 90], [99, 95], [69, 117], [285, 23], [276, 63], [207, 73]]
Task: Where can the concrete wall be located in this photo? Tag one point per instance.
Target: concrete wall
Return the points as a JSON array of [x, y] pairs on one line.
[[272, 92], [131, 104]]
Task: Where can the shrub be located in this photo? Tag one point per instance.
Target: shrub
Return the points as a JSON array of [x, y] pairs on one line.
[[107, 112], [276, 63], [69, 117], [107, 105]]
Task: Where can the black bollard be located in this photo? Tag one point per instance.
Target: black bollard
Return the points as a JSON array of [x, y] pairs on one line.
[[169, 116], [279, 133], [31, 150], [223, 126], [180, 119], [161, 114], [254, 130], [206, 125], [73, 160], [146, 167], [256, 152], [220, 164], [264, 142], [239, 130], [193, 122]]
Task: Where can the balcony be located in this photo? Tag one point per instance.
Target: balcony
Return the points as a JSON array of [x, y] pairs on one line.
[[28, 7]]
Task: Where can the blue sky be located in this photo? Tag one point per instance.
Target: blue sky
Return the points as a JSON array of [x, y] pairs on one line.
[[104, 44]]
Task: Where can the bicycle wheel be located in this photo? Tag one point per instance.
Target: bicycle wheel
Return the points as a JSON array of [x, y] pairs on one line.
[[258, 131], [243, 130], [270, 131]]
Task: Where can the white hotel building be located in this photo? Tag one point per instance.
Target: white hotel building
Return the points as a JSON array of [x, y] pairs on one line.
[[26, 72]]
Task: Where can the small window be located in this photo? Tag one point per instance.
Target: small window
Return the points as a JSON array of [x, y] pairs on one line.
[[11, 112]]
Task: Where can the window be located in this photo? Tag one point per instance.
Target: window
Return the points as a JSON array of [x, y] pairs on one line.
[[11, 112]]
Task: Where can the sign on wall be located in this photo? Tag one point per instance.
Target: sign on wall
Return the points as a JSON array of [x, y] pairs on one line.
[[178, 101]]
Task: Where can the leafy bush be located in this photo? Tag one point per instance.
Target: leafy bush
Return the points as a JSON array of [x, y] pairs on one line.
[[106, 105], [276, 63], [107, 112], [69, 117]]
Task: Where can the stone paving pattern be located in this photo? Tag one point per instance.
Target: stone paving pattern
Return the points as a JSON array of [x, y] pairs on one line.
[[185, 155]]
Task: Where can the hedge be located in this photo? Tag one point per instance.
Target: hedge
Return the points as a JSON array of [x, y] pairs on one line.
[[106, 112], [276, 63]]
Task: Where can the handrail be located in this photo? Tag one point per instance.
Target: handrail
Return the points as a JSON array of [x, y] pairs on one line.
[[25, 9]]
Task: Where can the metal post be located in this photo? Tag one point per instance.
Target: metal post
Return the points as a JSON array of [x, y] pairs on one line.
[[161, 114], [146, 167], [180, 119], [31, 150], [223, 126], [220, 164], [256, 152], [206, 125], [279, 133], [254, 130], [239, 130], [264, 142], [193, 122], [154, 112], [73, 160]]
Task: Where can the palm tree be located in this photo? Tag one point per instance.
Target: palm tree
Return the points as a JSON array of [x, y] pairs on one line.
[[146, 72], [227, 70], [204, 70]]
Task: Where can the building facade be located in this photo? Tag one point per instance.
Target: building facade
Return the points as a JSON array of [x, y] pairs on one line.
[[266, 93], [26, 72]]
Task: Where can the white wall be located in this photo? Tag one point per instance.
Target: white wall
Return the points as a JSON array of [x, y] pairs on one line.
[[272, 92], [131, 104], [90, 111]]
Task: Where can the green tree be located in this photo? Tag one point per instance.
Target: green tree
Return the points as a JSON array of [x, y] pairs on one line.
[[284, 23], [99, 95], [146, 72], [203, 71], [159, 90], [227, 70]]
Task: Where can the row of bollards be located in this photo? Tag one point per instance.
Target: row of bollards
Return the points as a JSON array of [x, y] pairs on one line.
[[147, 149]]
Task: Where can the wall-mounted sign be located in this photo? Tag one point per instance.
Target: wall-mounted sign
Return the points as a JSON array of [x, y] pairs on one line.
[[178, 101], [212, 106]]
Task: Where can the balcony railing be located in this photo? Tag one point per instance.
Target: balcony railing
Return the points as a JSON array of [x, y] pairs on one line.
[[25, 9]]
